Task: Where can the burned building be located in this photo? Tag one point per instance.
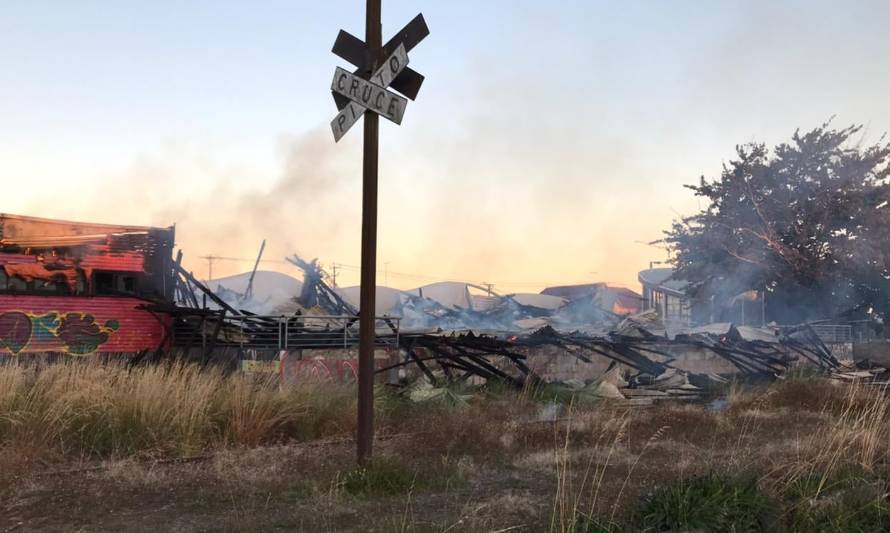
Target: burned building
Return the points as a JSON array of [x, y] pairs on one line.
[[671, 298], [82, 288], [617, 300], [667, 296]]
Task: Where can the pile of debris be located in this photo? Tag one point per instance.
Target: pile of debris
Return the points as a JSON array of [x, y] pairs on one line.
[[636, 358], [444, 306], [639, 363], [861, 371]]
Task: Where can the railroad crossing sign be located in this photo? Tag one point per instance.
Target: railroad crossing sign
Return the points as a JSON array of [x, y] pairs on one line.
[[366, 92], [360, 91]]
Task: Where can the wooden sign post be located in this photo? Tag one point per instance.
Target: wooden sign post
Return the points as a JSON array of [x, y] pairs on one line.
[[365, 93]]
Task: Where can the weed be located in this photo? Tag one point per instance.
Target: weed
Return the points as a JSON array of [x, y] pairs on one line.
[[382, 476], [848, 504], [710, 503]]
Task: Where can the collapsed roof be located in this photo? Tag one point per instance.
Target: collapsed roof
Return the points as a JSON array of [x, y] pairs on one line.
[[455, 306]]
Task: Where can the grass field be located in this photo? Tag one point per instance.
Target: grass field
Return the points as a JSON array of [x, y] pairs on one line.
[[100, 447]]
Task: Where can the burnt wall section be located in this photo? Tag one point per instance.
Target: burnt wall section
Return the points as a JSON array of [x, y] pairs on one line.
[[59, 258]]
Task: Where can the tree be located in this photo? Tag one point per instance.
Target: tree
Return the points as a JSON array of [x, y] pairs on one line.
[[808, 222]]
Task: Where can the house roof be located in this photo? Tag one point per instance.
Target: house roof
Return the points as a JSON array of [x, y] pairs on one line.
[[26, 231], [451, 294], [570, 292], [662, 278]]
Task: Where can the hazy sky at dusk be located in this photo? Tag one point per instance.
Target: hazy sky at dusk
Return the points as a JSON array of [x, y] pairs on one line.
[[549, 139]]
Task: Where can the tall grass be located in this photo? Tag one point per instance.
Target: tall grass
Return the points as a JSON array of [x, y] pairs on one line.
[[91, 408], [834, 478], [831, 482], [569, 513]]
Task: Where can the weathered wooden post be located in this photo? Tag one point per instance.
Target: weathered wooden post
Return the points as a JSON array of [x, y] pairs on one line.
[[378, 67]]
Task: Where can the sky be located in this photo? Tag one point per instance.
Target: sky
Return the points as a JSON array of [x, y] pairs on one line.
[[550, 141]]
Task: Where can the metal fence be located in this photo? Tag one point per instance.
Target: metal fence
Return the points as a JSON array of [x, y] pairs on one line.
[[280, 332], [834, 333]]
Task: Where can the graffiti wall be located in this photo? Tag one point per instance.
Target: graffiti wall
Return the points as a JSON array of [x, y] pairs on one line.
[[77, 325]]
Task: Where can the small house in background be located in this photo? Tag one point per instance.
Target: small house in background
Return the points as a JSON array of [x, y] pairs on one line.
[[667, 296], [617, 300], [83, 288]]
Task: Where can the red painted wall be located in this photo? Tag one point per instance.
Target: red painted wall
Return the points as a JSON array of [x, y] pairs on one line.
[[78, 325], [100, 257]]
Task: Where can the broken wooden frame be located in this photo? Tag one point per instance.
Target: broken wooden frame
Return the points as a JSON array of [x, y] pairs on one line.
[[462, 356]]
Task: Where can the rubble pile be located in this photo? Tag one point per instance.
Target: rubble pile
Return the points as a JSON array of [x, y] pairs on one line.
[[862, 371], [459, 338], [643, 365]]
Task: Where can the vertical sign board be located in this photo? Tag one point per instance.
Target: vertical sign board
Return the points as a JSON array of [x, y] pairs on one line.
[[360, 93]]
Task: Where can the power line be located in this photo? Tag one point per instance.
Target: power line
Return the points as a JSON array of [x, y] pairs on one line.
[[339, 267], [502, 283]]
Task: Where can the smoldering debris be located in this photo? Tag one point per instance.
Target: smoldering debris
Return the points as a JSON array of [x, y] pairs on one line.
[[452, 308], [519, 341], [639, 365]]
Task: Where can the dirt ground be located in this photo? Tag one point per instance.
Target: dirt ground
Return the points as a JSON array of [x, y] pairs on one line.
[[471, 472]]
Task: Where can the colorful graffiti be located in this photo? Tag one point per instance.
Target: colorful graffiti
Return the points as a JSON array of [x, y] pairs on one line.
[[71, 333]]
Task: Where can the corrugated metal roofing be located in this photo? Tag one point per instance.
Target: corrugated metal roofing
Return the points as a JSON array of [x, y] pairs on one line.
[[78, 325]]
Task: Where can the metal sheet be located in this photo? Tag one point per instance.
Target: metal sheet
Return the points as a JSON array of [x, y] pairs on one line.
[[410, 36], [100, 258], [385, 103], [408, 83], [352, 49], [78, 325]]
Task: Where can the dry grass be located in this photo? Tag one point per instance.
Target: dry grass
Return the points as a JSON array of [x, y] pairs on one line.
[[815, 451], [95, 409], [798, 455]]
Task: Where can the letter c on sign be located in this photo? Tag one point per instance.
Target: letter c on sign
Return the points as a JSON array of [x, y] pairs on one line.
[[393, 108], [378, 104], [340, 84]]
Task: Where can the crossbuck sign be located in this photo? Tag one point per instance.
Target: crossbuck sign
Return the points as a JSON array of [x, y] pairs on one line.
[[355, 93], [369, 94]]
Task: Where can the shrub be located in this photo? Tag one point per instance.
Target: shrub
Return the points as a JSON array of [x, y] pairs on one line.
[[850, 500], [710, 503]]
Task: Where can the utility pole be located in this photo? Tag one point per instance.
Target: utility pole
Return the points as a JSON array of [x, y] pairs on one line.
[[386, 273], [366, 93], [210, 260], [365, 437], [334, 274]]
